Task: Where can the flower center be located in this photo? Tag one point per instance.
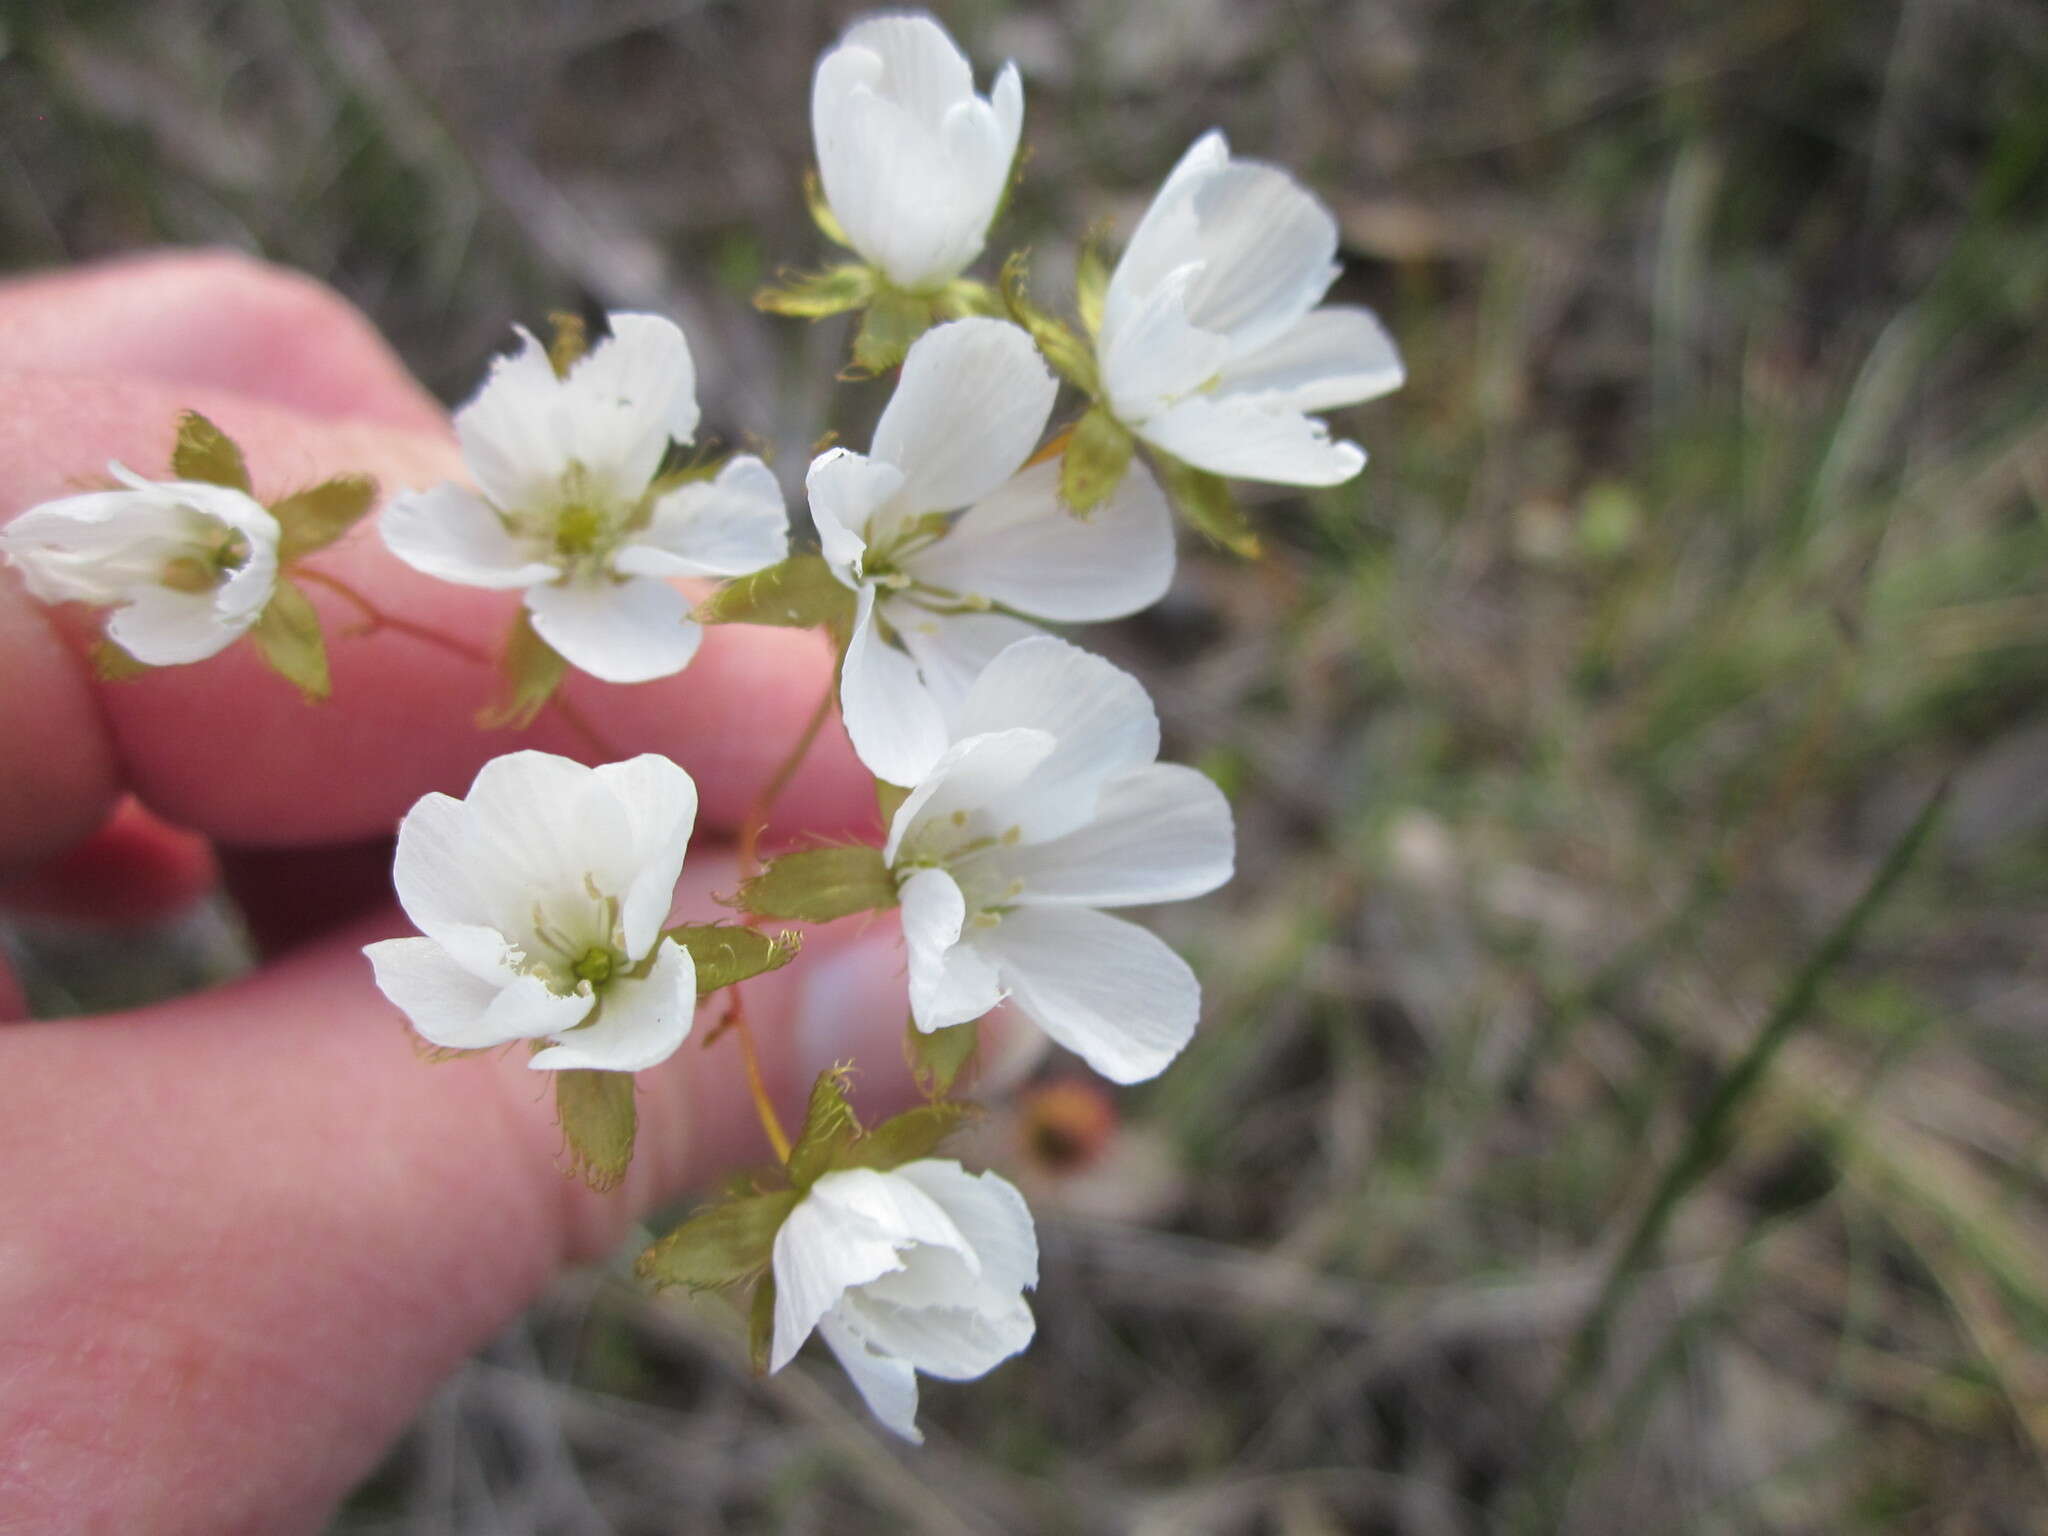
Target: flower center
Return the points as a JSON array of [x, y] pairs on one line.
[[206, 566]]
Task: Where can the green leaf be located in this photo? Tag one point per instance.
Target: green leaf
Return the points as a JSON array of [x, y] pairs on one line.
[[829, 1128], [816, 885], [799, 593], [571, 339], [1069, 356], [1205, 501], [204, 452], [1098, 453], [287, 636], [1091, 286], [111, 664], [313, 519], [597, 1117], [727, 953], [814, 295], [720, 1245], [893, 321], [761, 1325], [936, 1059], [530, 671], [909, 1136], [821, 211]]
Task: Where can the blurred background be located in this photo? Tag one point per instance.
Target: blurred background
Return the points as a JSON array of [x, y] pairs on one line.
[[1616, 1108]]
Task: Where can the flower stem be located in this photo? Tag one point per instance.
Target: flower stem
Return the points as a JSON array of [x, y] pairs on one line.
[[736, 1020], [375, 618], [755, 822]]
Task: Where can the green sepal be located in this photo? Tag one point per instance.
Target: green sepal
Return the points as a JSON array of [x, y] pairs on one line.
[[964, 298], [726, 953], [905, 1138], [530, 671], [936, 1059], [830, 1127], [111, 664], [723, 1244], [798, 593], [821, 211], [571, 339], [1205, 501], [816, 885], [761, 1325], [204, 452], [1098, 453], [893, 321], [314, 518], [1069, 356], [597, 1117], [889, 800], [814, 295], [287, 636], [1091, 286]]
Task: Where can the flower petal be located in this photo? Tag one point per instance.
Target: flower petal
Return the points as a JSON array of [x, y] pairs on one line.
[[915, 64], [891, 718], [1333, 356], [511, 434], [1018, 546], [952, 649], [1107, 990], [639, 1023], [1248, 438], [949, 983], [450, 881], [990, 1213], [986, 772], [623, 632], [631, 393], [1167, 236], [845, 491], [730, 526], [970, 1338], [167, 628], [845, 1232], [1267, 249], [1100, 716], [1160, 833], [969, 407], [458, 1011], [452, 534], [1154, 355], [886, 1384]]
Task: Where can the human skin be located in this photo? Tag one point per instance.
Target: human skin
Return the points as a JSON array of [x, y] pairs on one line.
[[244, 1234]]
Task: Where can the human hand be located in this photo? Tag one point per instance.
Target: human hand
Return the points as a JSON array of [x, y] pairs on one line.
[[243, 1234]]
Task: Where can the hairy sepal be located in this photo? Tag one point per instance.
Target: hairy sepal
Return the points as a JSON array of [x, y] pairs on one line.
[[816, 885]]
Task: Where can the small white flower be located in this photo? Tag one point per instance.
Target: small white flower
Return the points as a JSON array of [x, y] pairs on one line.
[[1212, 348], [970, 406], [922, 1268], [186, 566], [542, 896], [913, 162], [1050, 805], [565, 507]]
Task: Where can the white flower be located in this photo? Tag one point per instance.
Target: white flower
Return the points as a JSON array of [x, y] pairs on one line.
[[186, 566], [922, 1268], [1048, 806], [1212, 349], [542, 897], [970, 406], [913, 162], [565, 506]]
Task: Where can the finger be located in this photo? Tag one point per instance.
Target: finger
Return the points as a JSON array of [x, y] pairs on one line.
[[214, 318], [253, 1230], [135, 868], [228, 749]]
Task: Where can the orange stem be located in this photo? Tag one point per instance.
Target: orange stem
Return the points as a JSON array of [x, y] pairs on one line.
[[736, 1020], [376, 618], [755, 822]]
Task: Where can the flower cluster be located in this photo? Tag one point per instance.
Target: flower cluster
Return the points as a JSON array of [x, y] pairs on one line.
[[1024, 801]]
